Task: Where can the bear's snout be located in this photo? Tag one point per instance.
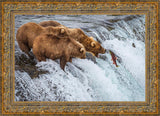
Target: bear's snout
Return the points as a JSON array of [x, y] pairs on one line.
[[103, 51], [83, 57]]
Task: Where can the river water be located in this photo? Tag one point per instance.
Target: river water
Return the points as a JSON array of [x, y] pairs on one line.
[[84, 79]]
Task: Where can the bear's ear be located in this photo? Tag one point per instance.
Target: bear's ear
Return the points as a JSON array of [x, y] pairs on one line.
[[62, 31], [93, 44], [81, 50]]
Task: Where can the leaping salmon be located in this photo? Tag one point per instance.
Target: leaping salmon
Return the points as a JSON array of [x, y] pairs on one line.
[[114, 58]]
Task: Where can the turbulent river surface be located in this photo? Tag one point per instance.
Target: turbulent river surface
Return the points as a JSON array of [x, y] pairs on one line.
[[90, 79]]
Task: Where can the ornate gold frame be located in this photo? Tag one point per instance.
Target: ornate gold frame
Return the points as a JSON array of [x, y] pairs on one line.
[[10, 9]]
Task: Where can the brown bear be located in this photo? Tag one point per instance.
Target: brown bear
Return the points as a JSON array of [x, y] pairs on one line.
[[55, 47], [88, 42], [29, 31]]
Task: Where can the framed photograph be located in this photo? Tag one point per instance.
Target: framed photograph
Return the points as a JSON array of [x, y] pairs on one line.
[[79, 57]]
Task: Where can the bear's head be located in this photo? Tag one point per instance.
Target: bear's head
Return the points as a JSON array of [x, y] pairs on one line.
[[77, 49], [88, 42], [95, 47]]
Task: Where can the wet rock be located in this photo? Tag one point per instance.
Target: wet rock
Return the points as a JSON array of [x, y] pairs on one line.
[[102, 56], [22, 59], [110, 28], [90, 57], [31, 70], [128, 18], [25, 64], [133, 45]]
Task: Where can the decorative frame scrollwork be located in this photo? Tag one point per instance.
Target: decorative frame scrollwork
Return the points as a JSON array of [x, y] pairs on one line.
[[10, 9]]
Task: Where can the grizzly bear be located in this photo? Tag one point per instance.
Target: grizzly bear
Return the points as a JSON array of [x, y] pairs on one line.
[[29, 31], [88, 42], [56, 47]]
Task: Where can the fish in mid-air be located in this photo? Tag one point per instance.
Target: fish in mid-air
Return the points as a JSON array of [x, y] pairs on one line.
[[114, 58]]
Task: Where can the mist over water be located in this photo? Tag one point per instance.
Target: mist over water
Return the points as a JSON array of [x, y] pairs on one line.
[[84, 79]]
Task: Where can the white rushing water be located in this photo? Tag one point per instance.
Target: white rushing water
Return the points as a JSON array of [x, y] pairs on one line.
[[83, 79]]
